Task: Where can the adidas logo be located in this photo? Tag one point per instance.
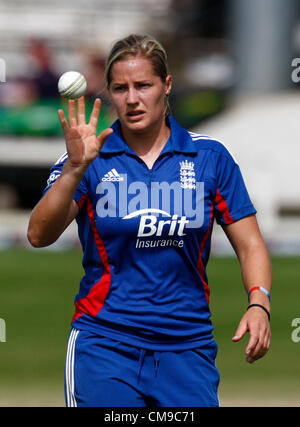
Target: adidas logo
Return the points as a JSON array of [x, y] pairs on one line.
[[112, 175]]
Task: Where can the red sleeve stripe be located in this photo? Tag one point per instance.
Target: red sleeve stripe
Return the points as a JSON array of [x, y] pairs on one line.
[[200, 266], [223, 208], [94, 301]]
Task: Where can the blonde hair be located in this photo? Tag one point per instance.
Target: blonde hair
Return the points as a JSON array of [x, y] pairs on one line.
[[144, 45]]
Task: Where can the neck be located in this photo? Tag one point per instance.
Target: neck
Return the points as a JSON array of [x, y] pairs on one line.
[[149, 142]]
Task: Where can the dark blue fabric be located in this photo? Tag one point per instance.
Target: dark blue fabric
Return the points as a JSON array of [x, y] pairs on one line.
[[110, 373]]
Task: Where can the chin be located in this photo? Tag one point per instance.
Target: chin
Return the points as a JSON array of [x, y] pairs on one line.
[[138, 127]]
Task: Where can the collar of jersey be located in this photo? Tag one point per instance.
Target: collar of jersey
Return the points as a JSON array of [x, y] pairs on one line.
[[179, 141]]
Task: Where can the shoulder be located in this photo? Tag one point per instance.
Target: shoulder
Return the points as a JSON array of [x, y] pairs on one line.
[[209, 143], [56, 169], [61, 160]]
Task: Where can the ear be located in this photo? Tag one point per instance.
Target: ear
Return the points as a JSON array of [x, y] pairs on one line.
[[168, 85]]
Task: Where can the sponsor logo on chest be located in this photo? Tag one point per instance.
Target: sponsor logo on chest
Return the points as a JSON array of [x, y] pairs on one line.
[[180, 203]]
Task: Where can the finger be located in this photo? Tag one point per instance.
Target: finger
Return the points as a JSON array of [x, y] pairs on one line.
[[81, 111], [269, 340], [240, 332], [72, 113], [103, 136], [258, 350], [253, 341], [94, 117], [63, 121]]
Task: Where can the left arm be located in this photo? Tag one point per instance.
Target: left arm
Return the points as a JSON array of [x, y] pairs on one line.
[[245, 238]]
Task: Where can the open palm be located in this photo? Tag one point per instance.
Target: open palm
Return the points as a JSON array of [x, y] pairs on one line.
[[83, 144]]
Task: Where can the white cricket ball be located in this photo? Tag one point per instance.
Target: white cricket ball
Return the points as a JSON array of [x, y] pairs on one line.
[[72, 85]]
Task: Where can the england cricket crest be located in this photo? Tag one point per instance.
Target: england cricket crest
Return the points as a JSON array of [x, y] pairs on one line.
[[187, 175]]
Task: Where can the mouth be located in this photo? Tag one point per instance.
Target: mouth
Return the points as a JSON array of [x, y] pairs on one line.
[[135, 115]]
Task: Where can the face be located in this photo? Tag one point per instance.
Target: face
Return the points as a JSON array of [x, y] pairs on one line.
[[138, 94]]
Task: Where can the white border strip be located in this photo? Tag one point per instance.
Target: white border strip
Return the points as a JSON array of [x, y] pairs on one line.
[[69, 372]]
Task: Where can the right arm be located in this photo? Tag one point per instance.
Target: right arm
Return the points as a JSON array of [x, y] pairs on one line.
[[57, 209]]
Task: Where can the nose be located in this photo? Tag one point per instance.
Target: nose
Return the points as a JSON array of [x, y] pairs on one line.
[[132, 96]]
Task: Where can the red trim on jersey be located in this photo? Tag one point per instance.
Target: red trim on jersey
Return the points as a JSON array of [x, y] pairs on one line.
[[82, 200], [93, 302], [200, 266], [222, 205]]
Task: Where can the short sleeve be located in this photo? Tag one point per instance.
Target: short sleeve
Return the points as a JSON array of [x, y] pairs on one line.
[[232, 201], [54, 174]]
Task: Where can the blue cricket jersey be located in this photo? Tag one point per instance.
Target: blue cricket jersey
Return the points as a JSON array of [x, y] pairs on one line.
[[146, 237]]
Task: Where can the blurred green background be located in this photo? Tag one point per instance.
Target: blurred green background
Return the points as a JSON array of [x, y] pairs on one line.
[[37, 292]]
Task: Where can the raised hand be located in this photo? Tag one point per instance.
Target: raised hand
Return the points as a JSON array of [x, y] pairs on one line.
[[82, 142]]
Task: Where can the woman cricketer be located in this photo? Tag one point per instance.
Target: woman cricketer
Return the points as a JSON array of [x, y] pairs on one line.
[[145, 194]]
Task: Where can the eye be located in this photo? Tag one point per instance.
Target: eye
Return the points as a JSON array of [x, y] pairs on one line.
[[120, 88], [143, 85]]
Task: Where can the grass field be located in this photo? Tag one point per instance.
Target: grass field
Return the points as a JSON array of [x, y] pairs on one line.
[[37, 292]]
